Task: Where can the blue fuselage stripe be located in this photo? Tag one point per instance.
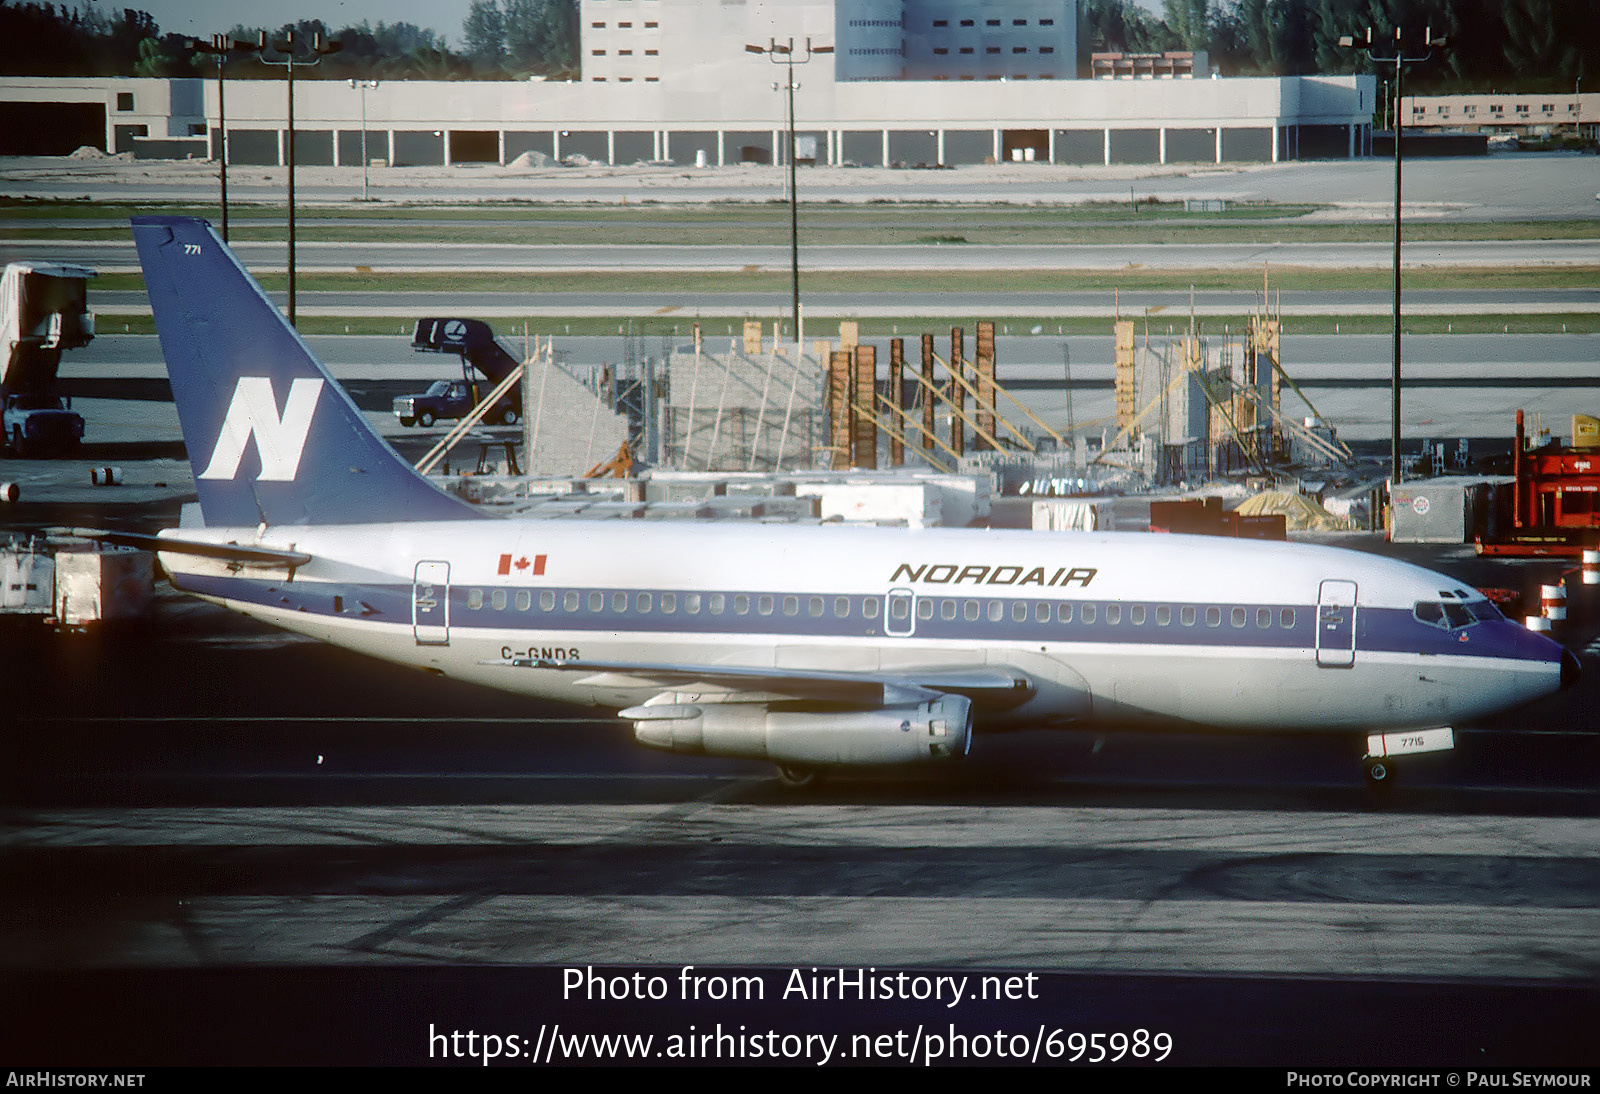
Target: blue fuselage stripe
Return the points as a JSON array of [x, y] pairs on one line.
[[1386, 630]]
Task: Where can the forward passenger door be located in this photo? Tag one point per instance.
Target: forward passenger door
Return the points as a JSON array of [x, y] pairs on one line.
[[1336, 624]]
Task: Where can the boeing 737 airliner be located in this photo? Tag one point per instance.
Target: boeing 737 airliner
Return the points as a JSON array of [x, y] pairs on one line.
[[811, 647]]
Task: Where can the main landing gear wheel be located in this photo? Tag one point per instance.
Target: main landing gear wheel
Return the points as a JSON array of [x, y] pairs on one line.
[[799, 777], [1379, 772]]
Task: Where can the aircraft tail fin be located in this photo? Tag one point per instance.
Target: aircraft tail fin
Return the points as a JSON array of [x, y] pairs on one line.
[[272, 437]]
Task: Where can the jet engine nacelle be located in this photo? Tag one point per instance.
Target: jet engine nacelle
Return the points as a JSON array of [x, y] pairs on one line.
[[937, 729]]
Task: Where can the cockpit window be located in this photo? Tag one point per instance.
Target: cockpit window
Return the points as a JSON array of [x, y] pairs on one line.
[[1452, 615], [1484, 611]]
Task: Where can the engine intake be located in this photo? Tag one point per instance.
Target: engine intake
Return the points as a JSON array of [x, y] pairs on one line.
[[937, 729]]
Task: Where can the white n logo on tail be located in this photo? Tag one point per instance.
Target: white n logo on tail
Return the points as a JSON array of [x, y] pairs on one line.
[[254, 413]]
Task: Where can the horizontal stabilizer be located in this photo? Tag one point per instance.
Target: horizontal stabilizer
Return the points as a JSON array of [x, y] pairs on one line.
[[228, 552]]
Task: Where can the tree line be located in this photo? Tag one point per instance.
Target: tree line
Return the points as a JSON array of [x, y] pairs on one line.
[[505, 39], [1503, 45]]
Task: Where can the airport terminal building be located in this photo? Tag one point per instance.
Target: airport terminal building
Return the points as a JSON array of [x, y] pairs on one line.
[[909, 82]]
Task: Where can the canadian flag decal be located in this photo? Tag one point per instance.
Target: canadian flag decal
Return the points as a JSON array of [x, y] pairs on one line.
[[522, 564]]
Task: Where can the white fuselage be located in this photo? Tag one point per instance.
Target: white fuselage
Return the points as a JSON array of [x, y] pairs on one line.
[[1109, 627]]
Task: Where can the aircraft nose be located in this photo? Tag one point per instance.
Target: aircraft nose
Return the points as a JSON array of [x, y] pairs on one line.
[[1571, 669]]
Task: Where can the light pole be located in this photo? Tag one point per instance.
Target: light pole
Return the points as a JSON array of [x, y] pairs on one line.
[[364, 85], [319, 50], [785, 55], [1399, 60], [220, 45]]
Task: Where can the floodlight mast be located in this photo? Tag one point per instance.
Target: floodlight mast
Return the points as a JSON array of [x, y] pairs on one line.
[[1399, 60], [783, 53], [220, 46], [320, 48]]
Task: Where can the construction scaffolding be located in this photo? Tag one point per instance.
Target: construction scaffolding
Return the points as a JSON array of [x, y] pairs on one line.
[[756, 407], [1207, 407]]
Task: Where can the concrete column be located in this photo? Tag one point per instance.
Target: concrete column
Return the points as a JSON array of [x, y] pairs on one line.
[[1162, 158], [444, 145], [555, 145], [1052, 145], [336, 162], [1219, 144], [885, 148], [1107, 152], [940, 154], [501, 135], [1276, 146], [998, 148], [1352, 140], [281, 159], [721, 152], [611, 146]]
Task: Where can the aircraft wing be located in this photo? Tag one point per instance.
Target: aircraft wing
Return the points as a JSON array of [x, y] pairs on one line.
[[986, 685]]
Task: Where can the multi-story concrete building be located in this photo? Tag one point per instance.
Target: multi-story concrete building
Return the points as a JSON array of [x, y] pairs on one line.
[[917, 82], [1538, 114]]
